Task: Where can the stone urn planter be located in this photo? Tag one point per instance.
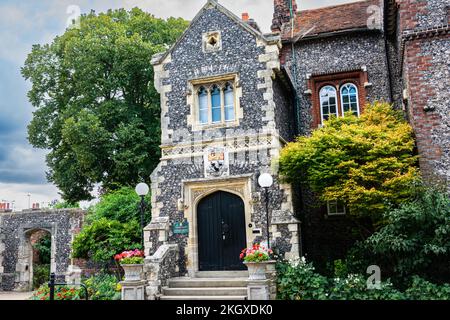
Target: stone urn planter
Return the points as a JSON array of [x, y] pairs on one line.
[[256, 270], [133, 272]]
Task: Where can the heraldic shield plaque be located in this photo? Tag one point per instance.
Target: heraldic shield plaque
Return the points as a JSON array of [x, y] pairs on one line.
[[216, 162]]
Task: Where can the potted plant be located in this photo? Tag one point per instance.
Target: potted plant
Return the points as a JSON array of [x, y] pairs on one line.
[[256, 258], [132, 263]]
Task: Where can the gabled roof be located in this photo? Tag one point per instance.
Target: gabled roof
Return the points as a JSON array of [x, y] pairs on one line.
[[332, 19], [268, 38]]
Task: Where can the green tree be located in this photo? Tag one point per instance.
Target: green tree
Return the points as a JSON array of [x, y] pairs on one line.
[[366, 162], [96, 107]]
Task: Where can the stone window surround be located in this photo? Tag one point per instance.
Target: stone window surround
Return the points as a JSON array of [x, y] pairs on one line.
[[316, 82], [192, 102], [195, 190]]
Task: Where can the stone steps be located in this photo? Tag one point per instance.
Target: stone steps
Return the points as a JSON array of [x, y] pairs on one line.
[[206, 291], [207, 282], [219, 298], [207, 286]]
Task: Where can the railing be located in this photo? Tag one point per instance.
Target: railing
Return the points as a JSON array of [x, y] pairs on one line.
[[52, 283]]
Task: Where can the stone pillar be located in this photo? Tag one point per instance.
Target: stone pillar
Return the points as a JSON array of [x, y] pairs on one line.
[[133, 290], [156, 234], [271, 275], [258, 290], [73, 275]]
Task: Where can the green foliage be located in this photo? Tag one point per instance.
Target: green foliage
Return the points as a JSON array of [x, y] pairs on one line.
[[97, 110], [100, 287], [44, 246], [41, 274], [103, 238], [424, 290], [65, 205], [103, 287], [132, 260], [365, 162], [297, 280], [113, 225], [121, 205], [415, 240]]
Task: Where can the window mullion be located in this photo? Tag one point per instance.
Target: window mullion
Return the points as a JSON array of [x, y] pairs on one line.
[[222, 105], [209, 107]]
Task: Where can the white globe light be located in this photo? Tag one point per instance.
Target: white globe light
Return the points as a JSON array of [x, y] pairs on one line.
[[142, 189], [265, 180]]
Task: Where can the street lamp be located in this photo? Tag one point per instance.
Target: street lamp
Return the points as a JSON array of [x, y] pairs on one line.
[[142, 190], [265, 181]]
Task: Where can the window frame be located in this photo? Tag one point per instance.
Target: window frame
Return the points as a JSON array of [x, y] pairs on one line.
[[320, 102], [315, 82], [208, 83], [342, 213], [342, 98]]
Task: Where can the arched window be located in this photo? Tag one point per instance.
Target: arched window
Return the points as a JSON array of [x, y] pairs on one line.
[[349, 99], [328, 103], [229, 102], [216, 108], [202, 105]]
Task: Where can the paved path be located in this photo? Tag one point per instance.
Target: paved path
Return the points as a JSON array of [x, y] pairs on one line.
[[15, 295]]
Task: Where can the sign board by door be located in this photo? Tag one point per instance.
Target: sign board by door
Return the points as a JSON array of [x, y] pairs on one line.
[[180, 227]]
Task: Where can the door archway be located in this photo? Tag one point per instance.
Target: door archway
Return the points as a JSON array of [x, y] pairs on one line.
[[221, 232]]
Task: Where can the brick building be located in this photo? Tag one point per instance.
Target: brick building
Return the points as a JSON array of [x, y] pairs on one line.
[[231, 97]]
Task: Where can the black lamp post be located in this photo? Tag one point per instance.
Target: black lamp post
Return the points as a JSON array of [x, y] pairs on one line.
[[142, 190], [265, 181]]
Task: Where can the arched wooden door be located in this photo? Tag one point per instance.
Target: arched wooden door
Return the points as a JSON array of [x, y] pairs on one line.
[[221, 232]]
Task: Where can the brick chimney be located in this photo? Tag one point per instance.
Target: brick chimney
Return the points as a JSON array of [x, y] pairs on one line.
[[251, 22], [282, 13]]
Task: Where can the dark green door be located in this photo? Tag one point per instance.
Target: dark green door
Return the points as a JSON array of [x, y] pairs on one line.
[[221, 232]]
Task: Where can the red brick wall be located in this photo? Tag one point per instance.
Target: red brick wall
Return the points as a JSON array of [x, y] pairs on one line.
[[408, 11], [420, 90]]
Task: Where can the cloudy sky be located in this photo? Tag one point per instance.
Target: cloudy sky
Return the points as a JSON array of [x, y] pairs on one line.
[[27, 22]]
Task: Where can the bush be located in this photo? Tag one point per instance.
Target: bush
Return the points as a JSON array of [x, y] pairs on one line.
[[103, 287], [113, 225], [297, 280], [100, 287], [424, 290], [414, 240], [41, 274], [102, 239]]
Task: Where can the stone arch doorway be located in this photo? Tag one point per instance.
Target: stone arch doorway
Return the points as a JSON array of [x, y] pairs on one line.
[[28, 256], [221, 231]]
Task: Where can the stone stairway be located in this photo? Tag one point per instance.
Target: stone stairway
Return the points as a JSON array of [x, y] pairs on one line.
[[208, 285]]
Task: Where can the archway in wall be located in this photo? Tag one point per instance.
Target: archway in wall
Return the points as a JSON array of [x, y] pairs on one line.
[[221, 232], [36, 259]]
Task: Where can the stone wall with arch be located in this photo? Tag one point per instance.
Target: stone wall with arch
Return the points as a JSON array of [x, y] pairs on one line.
[[16, 253]]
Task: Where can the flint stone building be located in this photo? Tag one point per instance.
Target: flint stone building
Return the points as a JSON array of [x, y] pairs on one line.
[[231, 97]]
